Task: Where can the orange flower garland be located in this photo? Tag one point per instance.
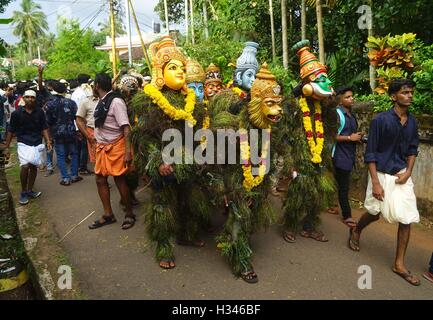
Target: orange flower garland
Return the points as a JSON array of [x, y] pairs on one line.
[[316, 145]]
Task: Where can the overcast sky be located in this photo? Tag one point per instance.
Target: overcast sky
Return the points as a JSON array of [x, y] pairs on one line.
[[85, 11]]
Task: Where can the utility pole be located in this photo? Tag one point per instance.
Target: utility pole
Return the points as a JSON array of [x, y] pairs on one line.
[[271, 13], [192, 22], [186, 21], [372, 68], [128, 31], [166, 16], [284, 33], [113, 39], [206, 27]]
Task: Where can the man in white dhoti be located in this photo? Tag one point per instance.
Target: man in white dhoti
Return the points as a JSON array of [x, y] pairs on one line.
[[28, 124], [391, 152]]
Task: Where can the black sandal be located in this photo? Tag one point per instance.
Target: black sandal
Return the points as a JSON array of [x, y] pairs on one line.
[[107, 220]]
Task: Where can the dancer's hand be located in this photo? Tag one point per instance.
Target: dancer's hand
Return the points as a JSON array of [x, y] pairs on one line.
[[165, 169]]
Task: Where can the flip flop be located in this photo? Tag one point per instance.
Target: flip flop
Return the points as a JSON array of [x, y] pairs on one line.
[[168, 260], [408, 277], [353, 244], [289, 236], [349, 222], [128, 223], [316, 235], [107, 220], [250, 276], [428, 276]]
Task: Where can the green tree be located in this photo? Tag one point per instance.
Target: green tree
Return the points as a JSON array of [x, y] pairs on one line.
[[30, 24], [73, 53]]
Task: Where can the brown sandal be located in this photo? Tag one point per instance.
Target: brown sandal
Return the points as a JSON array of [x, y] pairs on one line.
[[289, 236], [313, 234]]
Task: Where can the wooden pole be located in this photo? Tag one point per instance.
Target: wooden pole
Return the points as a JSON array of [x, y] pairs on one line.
[[321, 35], [206, 27], [186, 22], [192, 22], [113, 39], [303, 20], [166, 16], [146, 56]]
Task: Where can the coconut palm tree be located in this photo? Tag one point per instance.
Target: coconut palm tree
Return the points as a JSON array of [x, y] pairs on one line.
[[320, 34], [30, 24]]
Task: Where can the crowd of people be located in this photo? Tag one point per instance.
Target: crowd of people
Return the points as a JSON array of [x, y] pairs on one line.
[[84, 121]]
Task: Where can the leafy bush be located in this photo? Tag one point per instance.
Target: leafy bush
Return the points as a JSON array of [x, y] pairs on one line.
[[221, 53], [26, 73], [423, 99], [382, 102]]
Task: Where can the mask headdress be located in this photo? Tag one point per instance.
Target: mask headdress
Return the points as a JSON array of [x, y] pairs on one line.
[[194, 72], [162, 52], [213, 74]]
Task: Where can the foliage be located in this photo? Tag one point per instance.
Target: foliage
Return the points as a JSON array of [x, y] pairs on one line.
[[30, 24], [423, 99], [26, 73], [219, 53], [391, 52], [74, 53], [385, 76], [382, 102]]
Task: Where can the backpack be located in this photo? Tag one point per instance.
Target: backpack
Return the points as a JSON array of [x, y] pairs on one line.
[[340, 128]]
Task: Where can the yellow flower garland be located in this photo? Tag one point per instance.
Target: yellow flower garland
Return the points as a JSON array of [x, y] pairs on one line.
[[250, 181], [206, 125], [316, 146], [174, 113]]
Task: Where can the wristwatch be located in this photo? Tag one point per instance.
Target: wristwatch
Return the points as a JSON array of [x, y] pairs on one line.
[[348, 138]]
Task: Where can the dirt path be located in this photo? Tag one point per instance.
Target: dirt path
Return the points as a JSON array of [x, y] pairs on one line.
[[115, 264]]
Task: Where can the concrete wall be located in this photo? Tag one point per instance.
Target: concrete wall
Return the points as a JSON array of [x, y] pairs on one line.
[[423, 171]]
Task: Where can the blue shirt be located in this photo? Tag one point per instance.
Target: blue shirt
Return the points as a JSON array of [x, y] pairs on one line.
[[345, 152], [390, 142], [61, 113]]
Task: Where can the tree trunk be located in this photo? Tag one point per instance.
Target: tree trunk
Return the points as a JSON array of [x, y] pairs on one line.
[[320, 33], [372, 68], [271, 13], [192, 22], [166, 17], [284, 34], [206, 27], [186, 21], [303, 20]]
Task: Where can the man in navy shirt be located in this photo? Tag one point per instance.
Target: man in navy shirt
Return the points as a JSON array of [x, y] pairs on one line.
[[391, 152], [28, 124], [343, 155]]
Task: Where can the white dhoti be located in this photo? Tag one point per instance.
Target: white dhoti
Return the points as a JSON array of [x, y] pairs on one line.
[[399, 203], [30, 154]]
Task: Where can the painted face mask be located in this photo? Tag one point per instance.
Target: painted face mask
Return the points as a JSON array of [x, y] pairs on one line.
[[198, 89], [264, 109], [313, 73], [247, 66], [195, 78], [213, 83], [174, 74], [168, 64]]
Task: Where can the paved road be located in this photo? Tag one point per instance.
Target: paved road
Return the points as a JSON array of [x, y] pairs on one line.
[[116, 264]]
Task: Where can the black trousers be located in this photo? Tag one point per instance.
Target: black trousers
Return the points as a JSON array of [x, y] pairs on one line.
[[343, 181]]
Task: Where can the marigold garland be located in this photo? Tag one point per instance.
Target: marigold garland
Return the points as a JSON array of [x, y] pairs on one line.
[[250, 181], [174, 113], [316, 146], [206, 125]]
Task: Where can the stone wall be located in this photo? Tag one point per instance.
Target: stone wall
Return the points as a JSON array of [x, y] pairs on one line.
[[423, 171]]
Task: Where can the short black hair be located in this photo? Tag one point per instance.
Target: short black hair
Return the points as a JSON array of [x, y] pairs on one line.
[[73, 84], [396, 85], [83, 78], [342, 90], [103, 80], [58, 87]]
